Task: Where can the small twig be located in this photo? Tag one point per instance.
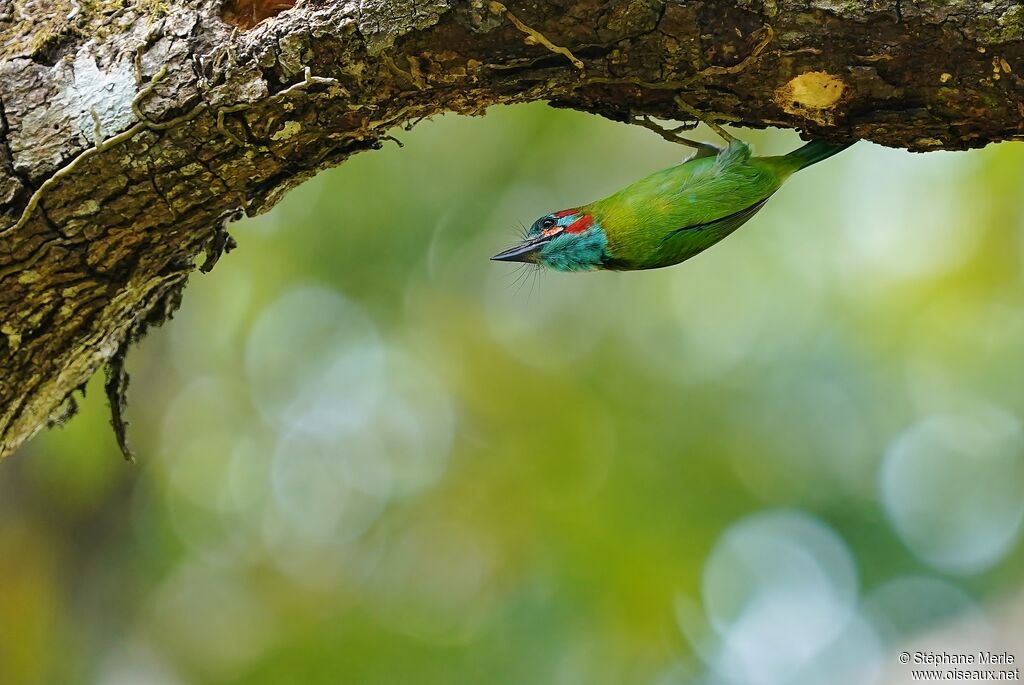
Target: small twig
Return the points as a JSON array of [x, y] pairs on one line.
[[534, 36]]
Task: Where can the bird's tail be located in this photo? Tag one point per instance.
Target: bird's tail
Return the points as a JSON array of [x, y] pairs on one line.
[[813, 152]]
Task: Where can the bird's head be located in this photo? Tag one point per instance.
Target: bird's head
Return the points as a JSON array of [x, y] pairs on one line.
[[570, 240]]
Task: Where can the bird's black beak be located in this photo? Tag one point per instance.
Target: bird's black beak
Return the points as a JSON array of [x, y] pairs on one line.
[[525, 251]]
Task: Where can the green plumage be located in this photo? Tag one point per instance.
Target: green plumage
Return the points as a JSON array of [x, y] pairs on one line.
[[676, 213], [667, 217]]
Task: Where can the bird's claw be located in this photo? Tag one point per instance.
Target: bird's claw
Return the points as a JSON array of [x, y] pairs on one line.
[[692, 111], [672, 135]]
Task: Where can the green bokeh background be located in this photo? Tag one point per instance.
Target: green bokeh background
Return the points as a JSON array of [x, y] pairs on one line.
[[370, 456]]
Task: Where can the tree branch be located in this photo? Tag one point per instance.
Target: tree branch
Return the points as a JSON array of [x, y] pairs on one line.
[[130, 131]]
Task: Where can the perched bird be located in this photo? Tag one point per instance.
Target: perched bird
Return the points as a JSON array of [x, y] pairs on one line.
[[667, 217]]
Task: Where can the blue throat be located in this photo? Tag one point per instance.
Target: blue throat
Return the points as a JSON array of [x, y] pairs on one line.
[[576, 251]]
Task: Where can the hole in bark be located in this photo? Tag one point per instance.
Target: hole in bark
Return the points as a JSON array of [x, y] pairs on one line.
[[246, 14]]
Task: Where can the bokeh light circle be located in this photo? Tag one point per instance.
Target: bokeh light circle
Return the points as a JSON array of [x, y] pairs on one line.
[[329, 488], [778, 589], [951, 486], [315, 361], [907, 606]]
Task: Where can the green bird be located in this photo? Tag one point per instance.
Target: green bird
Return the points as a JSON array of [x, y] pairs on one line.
[[667, 217]]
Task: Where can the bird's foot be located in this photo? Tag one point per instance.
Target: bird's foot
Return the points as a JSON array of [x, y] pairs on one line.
[[692, 111], [672, 135]]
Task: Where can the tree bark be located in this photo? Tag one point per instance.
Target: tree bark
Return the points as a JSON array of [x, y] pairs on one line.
[[131, 131]]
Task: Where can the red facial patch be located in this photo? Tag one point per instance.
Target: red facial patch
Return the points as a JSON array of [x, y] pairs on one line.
[[578, 226], [581, 224]]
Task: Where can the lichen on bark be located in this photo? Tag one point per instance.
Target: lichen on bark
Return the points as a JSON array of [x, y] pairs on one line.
[[130, 131]]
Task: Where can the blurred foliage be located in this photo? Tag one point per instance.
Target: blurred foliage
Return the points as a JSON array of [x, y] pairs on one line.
[[369, 455]]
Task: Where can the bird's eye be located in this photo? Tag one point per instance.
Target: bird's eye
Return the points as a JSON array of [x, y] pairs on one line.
[[547, 223]]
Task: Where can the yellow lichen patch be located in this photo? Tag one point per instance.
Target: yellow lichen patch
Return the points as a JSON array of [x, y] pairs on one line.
[[13, 337], [812, 95], [287, 131]]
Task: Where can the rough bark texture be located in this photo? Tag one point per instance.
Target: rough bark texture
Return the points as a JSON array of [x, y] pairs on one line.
[[131, 131]]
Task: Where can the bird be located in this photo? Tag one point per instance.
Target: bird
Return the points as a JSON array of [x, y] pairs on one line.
[[669, 216]]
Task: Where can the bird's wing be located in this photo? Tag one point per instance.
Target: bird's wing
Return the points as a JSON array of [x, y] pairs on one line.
[[729, 222]]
